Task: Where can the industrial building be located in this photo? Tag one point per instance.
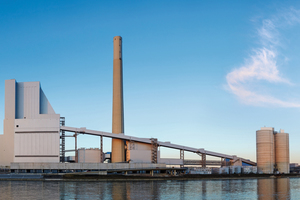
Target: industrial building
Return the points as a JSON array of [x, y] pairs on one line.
[[31, 127], [91, 155], [272, 151], [34, 135]]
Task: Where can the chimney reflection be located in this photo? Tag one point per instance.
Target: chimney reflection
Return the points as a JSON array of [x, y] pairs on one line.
[[119, 191]]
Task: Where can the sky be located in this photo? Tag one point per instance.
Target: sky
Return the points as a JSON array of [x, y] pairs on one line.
[[204, 74]]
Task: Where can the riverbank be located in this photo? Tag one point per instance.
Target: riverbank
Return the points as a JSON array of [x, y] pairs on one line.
[[94, 177]]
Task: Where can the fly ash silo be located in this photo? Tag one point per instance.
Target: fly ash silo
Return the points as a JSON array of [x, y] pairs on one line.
[[265, 151], [282, 154], [272, 151]]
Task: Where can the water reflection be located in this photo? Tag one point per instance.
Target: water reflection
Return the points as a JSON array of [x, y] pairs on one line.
[[283, 188], [197, 189], [277, 188]]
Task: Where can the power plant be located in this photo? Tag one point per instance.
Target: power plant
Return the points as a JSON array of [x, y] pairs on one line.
[[34, 138], [272, 151]]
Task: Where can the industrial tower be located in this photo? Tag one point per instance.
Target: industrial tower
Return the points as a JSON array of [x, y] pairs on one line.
[[118, 147]]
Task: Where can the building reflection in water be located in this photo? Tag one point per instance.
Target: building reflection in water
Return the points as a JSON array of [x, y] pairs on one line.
[[273, 188], [283, 188], [266, 189], [118, 191]]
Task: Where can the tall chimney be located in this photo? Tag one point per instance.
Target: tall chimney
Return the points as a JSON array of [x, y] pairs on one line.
[[118, 150]]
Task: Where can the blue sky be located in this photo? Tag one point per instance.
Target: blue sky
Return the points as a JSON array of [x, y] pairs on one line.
[[205, 74]]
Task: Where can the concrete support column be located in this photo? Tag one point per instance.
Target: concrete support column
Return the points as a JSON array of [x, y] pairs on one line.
[[203, 156], [182, 157], [222, 162], [154, 148], [101, 149], [76, 152]]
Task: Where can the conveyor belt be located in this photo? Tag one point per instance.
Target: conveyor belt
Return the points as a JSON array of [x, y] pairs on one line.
[[148, 141]]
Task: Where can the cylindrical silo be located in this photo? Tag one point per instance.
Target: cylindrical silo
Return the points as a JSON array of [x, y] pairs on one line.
[[265, 154], [282, 154]]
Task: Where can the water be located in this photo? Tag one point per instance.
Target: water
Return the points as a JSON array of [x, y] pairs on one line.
[[264, 189]]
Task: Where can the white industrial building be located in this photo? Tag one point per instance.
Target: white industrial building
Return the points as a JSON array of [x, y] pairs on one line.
[[31, 127], [91, 155], [138, 152]]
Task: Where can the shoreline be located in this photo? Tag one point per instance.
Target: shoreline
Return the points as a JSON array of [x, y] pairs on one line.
[[104, 178]]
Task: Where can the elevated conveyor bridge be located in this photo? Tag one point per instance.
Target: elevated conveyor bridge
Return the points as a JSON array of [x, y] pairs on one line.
[[201, 151]]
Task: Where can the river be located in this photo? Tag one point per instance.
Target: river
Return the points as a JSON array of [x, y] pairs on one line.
[[264, 189]]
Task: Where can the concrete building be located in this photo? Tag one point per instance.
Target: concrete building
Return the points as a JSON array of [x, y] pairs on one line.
[[272, 151], [92, 155], [31, 127], [138, 152]]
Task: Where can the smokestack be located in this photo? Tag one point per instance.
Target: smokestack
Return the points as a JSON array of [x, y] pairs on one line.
[[118, 150]]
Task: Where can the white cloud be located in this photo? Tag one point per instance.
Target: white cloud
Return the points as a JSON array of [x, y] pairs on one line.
[[268, 33], [262, 65], [292, 16]]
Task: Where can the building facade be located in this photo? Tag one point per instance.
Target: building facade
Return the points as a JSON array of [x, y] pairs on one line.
[[31, 127]]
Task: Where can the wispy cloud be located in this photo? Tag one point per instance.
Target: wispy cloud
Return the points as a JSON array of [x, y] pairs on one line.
[[268, 33], [262, 64]]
